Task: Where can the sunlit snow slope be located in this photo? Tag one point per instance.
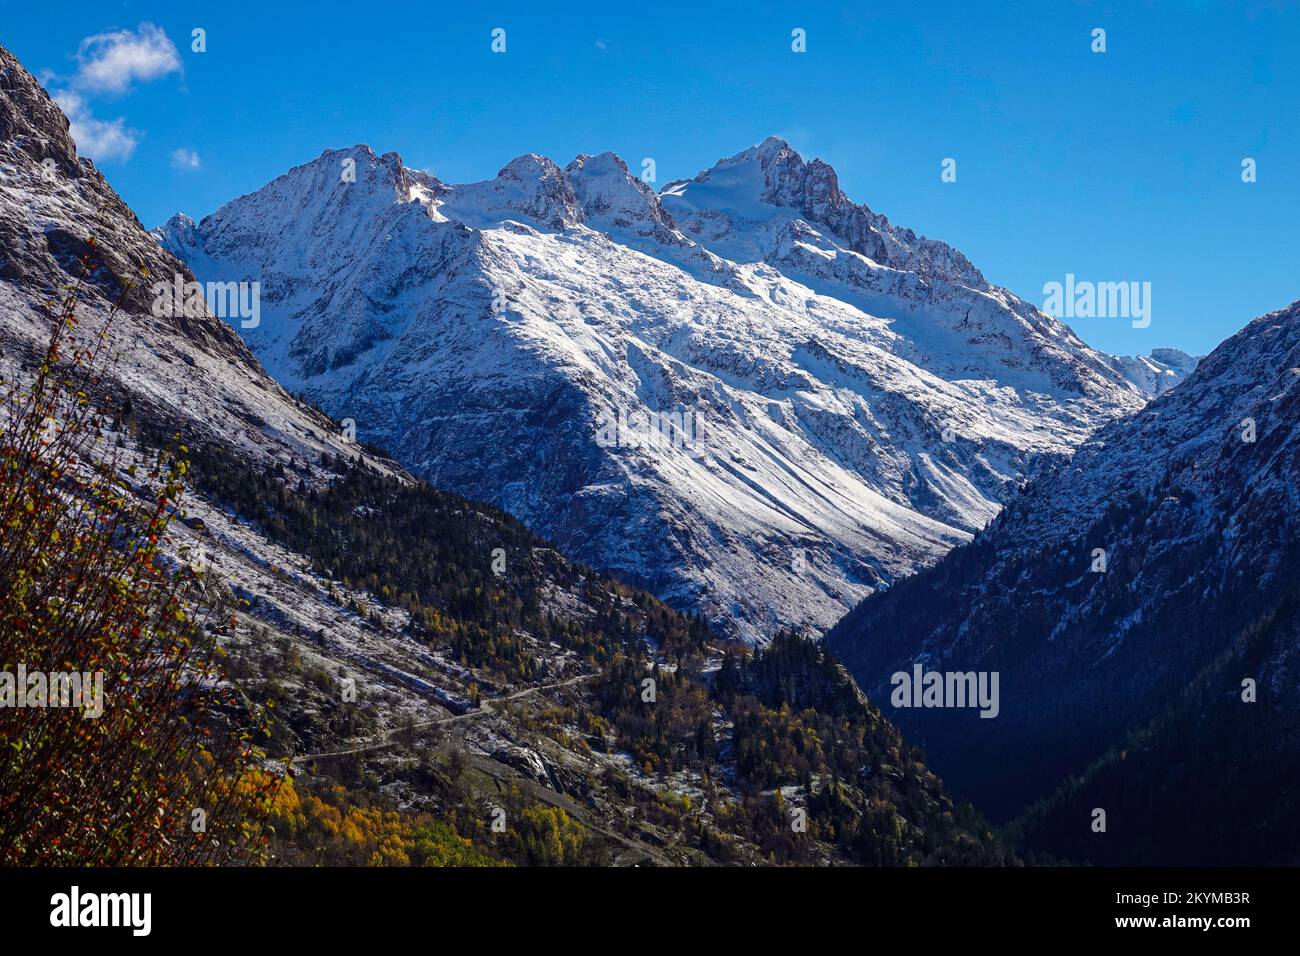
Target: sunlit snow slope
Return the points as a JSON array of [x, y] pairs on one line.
[[868, 399]]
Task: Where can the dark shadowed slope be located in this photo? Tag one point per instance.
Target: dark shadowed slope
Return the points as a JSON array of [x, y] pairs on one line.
[[1199, 528]]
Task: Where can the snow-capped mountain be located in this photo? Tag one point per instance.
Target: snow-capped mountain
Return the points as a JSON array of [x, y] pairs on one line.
[[1158, 372], [845, 401], [1131, 591]]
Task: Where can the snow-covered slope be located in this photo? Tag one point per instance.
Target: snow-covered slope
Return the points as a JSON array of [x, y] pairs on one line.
[[1160, 561], [860, 399]]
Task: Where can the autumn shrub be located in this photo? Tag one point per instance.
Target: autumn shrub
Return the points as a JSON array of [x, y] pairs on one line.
[[333, 828], [160, 777]]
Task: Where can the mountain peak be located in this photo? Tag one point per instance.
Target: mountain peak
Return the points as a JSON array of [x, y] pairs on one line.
[[530, 166], [531, 186], [771, 182], [609, 193], [30, 120], [785, 176], [773, 148], [1157, 372], [607, 161], [362, 162], [1176, 359], [179, 235]]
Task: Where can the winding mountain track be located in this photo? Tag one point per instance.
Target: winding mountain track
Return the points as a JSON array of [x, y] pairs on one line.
[[486, 707]]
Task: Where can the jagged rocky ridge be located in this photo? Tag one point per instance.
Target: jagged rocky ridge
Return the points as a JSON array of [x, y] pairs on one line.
[[867, 398]]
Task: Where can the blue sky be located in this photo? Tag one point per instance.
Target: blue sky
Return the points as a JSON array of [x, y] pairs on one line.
[[1115, 166]]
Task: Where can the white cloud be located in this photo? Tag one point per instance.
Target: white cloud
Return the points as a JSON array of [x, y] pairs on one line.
[[111, 62], [185, 160], [101, 140]]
